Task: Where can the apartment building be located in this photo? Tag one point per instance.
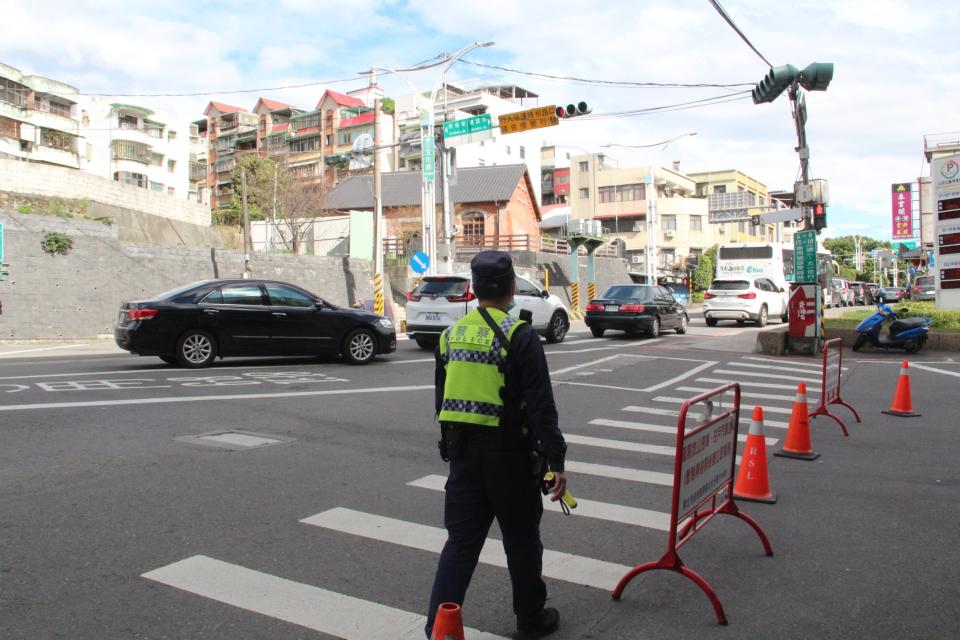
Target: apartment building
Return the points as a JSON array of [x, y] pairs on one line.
[[733, 196], [38, 119], [554, 175], [600, 189]]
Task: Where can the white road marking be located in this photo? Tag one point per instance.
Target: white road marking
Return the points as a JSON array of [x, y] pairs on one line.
[[598, 574], [640, 426], [409, 361], [751, 365], [777, 376], [619, 473], [158, 370], [670, 412], [68, 346], [646, 518], [621, 445], [317, 609], [231, 398], [618, 345], [582, 365], [744, 408], [694, 371], [599, 386], [816, 365], [744, 394], [914, 365], [761, 385], [586, 373]]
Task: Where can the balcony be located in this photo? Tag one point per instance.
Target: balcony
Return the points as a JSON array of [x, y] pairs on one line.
[[198, 171], [129, 150], [51, 155]]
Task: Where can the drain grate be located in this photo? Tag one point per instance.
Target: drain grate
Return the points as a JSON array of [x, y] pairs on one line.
[[235, 440]]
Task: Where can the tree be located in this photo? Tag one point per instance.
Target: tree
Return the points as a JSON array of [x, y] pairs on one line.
[[300, 204], [844, 251], [263, 174], [706, 270]]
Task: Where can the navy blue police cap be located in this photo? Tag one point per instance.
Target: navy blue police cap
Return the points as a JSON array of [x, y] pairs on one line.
[[492, 273]]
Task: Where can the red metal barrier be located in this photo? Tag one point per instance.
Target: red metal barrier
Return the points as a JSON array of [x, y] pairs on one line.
[[830, 389], [703, 475]]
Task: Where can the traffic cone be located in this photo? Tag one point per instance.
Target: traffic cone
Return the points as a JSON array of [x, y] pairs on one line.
[[797, 444], [902, 404], [752, 482], [449, 623]]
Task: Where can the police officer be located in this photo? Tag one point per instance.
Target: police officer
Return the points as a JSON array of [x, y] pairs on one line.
[[494, 402]]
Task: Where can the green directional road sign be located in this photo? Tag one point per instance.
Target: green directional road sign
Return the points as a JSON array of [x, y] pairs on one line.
[[805, 256], [428, 162], [467, 126]]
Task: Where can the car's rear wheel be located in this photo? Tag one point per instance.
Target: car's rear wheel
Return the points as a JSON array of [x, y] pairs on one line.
[[597, 333], [762, 317], [359, 347], [557, 330], [168, 359], [711, 322], [427, 344], [196, 349], [682, 329], [655, 328]]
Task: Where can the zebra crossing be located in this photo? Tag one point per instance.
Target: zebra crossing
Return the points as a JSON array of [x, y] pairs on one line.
[[647, 443]]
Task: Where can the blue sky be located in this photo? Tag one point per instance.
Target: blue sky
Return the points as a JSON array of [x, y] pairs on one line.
[[895, 77]]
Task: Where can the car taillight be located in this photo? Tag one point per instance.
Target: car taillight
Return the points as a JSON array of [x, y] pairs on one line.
[[748, 296], [141, 314], [413, 297], [708, 296], [593, 306], [466, 297], [633, 308]]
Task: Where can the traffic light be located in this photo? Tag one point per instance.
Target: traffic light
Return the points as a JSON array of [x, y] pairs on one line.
[[816, 76], [4, 271], [775, 82], [574, 109], [819, 216]]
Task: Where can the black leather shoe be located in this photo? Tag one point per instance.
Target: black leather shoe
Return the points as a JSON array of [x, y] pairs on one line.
[[544, 625]]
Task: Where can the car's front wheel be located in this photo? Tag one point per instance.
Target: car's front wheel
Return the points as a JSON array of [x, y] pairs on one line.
[[196, 349], [557, 330], [360, 346]]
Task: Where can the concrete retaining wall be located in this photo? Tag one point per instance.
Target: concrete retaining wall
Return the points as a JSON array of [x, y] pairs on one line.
[[76, 296]]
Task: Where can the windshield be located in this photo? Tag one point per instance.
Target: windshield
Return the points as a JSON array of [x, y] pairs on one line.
[[838, 283], [746, 253], [730, 285], [441, 287], [627, 292], [924, 281]]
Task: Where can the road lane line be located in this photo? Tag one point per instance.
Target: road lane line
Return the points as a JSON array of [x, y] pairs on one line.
[[692, 372], [751, 365], [640, 426], [670, 412], [599, 386], [328, 612], [68, 346], [760, 385], [614, 346], [635, 516], [233, 397], [816, 365], [619, 473], [744, 394], [162, 369], [582, 365], [589, 572], [744, 408], [777, 376], [621, 445], [914, 365]]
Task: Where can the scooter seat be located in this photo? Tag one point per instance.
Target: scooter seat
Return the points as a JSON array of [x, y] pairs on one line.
[[904, 324]]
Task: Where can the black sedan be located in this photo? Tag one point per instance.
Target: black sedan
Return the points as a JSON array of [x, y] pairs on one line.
[[196, 323], [636, 308], [890, 294]]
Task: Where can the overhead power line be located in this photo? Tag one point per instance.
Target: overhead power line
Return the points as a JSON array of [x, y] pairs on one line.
[[680, 106], [723, 14], [608, 83]]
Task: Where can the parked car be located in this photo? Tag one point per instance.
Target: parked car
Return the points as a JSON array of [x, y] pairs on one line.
[[636, 308], [924, 288], [842, 293], [439, 301], [871, 288], [890, 294], [859, 292], [751, 298], [196, 323]]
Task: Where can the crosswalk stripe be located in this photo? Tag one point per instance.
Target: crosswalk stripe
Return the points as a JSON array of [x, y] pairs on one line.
[[772, 367], [622, 445], [743, 407], [743, 394], [759, 374], [619, 473], [585, 508], [672, 412], [816, 365], [760, 385], [317, 609], [640, 426], [589, 572]]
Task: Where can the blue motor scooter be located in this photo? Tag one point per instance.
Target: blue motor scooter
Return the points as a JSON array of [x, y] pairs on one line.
[[905, 333]]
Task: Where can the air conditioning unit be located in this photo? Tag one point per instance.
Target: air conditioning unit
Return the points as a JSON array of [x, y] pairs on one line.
[[722, 229], [636, 259], [669, 233]]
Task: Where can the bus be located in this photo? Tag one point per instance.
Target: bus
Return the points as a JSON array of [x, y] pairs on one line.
[[772, 259]]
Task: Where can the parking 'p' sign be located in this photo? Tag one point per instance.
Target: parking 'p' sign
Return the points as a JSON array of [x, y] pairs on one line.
[[420, 262]]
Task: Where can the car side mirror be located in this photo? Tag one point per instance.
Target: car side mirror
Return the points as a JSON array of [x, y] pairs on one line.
[[545, 294], [782, 290]]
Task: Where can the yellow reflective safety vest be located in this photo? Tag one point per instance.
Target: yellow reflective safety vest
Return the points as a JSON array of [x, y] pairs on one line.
[[475, 364]]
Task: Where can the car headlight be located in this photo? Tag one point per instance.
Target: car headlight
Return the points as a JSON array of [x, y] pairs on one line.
[[385, 323]]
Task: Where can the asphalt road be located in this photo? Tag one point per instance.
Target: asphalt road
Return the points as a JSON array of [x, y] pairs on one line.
[[122, 518]]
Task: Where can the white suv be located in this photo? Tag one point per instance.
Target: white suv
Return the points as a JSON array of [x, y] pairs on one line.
[[439, 301], [751, 298]]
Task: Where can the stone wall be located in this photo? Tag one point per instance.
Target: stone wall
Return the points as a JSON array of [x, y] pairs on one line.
[[77, 295], [60, 182]]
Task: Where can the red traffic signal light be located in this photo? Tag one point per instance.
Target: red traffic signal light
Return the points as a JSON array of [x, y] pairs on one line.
[[574, 109], [819, 216]]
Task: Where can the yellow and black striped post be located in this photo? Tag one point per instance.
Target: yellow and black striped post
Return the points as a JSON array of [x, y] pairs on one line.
[[378, 293], [592, 290], [575, 299], [546, 279]]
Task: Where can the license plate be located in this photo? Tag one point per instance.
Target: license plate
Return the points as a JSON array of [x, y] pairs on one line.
[[612, 307], [431, 317]]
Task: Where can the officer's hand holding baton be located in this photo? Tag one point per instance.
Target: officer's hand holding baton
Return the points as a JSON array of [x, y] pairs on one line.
[[559, 486]]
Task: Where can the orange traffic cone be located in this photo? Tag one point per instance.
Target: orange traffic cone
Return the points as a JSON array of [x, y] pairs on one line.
[[752, 482], [797, 444], [902, 404], [448, 624]]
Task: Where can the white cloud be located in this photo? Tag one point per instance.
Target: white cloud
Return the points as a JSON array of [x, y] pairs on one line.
[[275, 57]]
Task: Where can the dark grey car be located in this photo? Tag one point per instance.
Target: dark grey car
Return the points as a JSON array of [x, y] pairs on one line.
[[924, 288]]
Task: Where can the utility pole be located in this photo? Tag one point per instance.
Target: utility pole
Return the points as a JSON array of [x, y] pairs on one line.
[[247, 240], [650, 248], [377, 213]]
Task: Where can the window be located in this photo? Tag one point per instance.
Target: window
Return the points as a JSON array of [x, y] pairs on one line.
[[584, 193], [127, 122], [523, 152], [473, 228], [59, 108], [214, 297], [584, 166], [329, 138], [286, 297], [157, 186], [156, 159], [607, 194], [58, 140], [345, 137], [742, 226], [668, 223], [171, 135], [306, 144], [630, 192], [13, 92], [132, 179], [667, 257], [171, 165], [720, 188], [242, 294], [171, 191], [637, 293], [746, 253], [305, 121], [527, 288], [305, 170], [696, 223], [507, 149]]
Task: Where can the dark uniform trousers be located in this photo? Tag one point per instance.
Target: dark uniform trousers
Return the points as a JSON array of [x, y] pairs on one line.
[[492, 480]]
